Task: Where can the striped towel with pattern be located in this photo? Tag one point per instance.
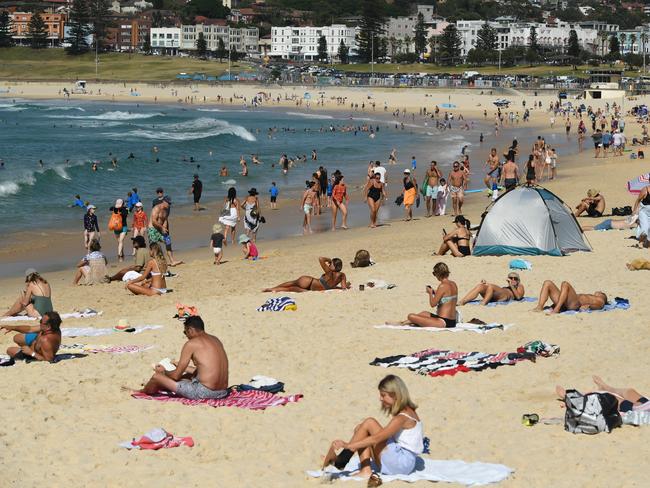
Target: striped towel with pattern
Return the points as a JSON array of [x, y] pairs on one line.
[[112, 349], [251, 399], [278, 305]]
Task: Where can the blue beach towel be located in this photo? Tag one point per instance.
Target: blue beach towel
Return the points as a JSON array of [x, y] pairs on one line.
[[494, 304], [520, 264], [618, 304], [278, 305]]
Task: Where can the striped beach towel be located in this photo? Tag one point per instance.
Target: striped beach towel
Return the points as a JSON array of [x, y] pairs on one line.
[[278, 305], [251, 399], [110, 349]]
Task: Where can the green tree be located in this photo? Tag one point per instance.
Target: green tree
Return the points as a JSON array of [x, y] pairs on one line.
[[5, 30], [573, 48], [78, 31], [98, 13], [420, 38], [146, 46], [407, 43], [450, 43], [37, 31], [201, 45], [614, 47], [343, 53], [371, 28], [221, 49], [322, 49], [433, 47], [476, 57], [532, 40], [486, 38]]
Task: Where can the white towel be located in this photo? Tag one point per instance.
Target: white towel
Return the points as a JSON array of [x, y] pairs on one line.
[[92, 332], [479, 329], [72, 315], [468, 474]]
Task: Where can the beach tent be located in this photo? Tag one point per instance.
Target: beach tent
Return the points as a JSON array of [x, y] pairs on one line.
[[638, 183], [529, 220]]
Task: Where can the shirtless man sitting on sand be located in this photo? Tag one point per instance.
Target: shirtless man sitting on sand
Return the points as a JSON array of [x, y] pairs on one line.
[[594, 204], [40, 342], [565, 298], [207, 379]]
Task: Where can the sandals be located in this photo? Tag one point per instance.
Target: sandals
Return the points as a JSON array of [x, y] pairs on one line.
[[374, 481]]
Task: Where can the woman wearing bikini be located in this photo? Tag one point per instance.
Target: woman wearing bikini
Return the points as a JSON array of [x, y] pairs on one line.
[[443, 299], [495, 293], [35, 299], [457, 241], [374, 194], [332, 278], [152, 282]]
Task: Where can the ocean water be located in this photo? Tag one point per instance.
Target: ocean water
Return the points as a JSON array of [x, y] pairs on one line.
[[69, 136]]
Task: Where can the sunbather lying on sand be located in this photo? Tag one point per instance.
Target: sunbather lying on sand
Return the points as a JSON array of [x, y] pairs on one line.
[[628, 398], [566, 298], [443, 299], [40, 342], [611, 224], [394, 448], [331, 279], [496, 293], [208, 378]]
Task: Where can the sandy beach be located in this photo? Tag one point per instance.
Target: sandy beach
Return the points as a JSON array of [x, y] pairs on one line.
[[64, 421]]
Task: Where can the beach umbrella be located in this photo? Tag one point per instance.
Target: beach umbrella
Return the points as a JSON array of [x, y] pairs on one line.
[[448, 105], [638, 183]]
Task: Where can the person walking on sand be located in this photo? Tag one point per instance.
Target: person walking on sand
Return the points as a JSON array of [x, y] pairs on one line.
[[374, 194], [307, 206], [340, 200], [216, 242], [432, 181], [510, 175], [195, 190], [140, 221], [120, 232], [409, 194], [230, 215], [456, 188], [158, 230], [91, 226]]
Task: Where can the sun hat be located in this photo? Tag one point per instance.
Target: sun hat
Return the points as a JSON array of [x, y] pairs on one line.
[[91, 206], [253, 191], [123, 325], [139, 204], [119, 203], [30, 271], [243, 238], [593, 192]]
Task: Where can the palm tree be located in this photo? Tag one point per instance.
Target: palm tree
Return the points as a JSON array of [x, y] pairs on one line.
[[622, 38], [632, 43], [604, 36], [644, 39]]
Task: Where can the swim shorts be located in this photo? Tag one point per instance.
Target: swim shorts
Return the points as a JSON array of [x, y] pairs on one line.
[[274, 199], [30, 338], [195, 390], [154, 235], [449, 323], [168, 242], [510, 183], [124, 230], [432, 191], [592, 212], [307, 208]]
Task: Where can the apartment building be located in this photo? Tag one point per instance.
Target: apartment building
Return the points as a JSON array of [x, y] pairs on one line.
[[54, 25], [243, 40], [165, 40], [301, 43]]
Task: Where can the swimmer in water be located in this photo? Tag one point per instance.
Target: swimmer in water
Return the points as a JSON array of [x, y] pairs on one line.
[[223, 171], [40, 162]]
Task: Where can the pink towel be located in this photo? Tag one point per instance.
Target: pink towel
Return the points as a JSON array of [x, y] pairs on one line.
[[252, 399]]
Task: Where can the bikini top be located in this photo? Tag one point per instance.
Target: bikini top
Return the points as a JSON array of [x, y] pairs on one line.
[[448, 299]]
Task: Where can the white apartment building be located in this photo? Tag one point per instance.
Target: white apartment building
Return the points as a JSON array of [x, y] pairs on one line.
[[402, 29], [165, 40], [301, 43], [244, 40]]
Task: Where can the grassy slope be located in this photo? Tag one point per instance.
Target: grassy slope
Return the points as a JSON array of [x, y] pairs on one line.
[[53, 64]]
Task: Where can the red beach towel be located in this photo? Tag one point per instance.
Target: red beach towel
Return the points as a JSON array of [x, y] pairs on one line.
[[252, 399]]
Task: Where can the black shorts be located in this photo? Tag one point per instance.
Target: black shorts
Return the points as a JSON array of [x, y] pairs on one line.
[[197, 198], [627, 405], [592, 212], [606, 146], [274, 199], [510, 183], [465, 250], [449, 323]]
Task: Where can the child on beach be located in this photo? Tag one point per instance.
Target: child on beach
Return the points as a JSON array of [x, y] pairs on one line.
[[216, 242], [441, 197], [274, 195], [248, 247]]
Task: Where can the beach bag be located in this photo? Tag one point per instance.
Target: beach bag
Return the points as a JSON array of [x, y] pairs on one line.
[[361, 259], [591, 413], [115, 222]]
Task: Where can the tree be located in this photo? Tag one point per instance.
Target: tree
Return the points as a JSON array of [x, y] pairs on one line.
[[622, 42], [392, 42], [532, 40], [5, 30], [420, 35], [476, 57], [407, 43], [602, 37], [78, 28], [98, 14], [573, 48], [614, 47], [146, 46], [37, 31], [157, 4], [450, 43], [486, 38], [322, 49], [370, 29], [221, 49], [433, 44], [201, 45], [343, 53]]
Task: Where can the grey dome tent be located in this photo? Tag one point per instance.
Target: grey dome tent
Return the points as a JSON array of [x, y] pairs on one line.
[[529, 220]]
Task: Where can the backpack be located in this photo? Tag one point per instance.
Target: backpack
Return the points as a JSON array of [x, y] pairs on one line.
[[591, 413], [115, 222]]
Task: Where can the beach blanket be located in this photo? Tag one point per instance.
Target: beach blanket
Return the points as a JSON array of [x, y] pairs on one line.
[[251, 399], [156, 439], [494, 304], [437, 362], [110, 349], [479, 329], [92, 332], [520, 264], [636, 417], [84, 314], [373, 284], [184, 311], [461, 472], [279, 304], [617, 304]]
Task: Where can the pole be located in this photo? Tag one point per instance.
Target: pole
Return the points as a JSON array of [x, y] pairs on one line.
[[372, 55], [96, 58], [499, 59], [229, 49]]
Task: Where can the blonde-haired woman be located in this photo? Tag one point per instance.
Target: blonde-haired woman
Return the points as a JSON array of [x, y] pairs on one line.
[[394, 448], [444, 300], [35, 299], [152, 282]]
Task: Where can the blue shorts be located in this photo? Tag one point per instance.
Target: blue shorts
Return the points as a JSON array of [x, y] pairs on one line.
[[605, 225], [30, 338], [397, 460], [124, 230]]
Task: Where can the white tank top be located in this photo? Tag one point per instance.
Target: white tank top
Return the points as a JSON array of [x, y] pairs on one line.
[[411, 439]]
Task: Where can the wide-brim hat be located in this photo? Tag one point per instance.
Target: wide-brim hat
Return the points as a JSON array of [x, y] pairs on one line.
[[243, 238]]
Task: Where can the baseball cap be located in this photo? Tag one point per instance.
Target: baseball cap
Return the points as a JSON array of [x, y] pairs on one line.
[[90, 206], [407, 171], [139, 204]]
